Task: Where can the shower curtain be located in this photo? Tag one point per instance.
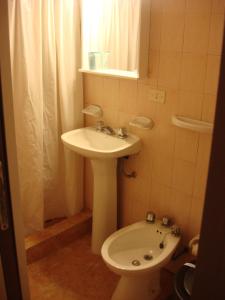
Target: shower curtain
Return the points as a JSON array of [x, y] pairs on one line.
[[47, 90]]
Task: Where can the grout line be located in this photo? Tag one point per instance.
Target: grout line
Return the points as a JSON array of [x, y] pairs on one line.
[[207, 55], [160, 43]]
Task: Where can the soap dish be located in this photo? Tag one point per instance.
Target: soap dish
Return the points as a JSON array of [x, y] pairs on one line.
[[142, 123], [93, 110]]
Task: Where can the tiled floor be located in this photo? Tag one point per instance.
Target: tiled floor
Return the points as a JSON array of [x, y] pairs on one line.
[[71, 273], [74, 273]]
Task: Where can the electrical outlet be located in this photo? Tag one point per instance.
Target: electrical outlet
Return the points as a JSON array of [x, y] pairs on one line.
[[157, 96]]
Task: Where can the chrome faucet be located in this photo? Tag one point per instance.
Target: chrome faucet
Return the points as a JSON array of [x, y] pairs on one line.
[[108, 130], [122, 133], [166, 221], [174, 230], [150, 217], [100, 126]]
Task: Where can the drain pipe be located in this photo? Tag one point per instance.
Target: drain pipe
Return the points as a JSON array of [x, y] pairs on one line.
[[128, 174]]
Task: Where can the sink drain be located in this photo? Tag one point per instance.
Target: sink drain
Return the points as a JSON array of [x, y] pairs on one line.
[[136, 263], [148, 257]]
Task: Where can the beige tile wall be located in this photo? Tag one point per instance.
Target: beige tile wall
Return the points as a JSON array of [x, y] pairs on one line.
[[184, 58]]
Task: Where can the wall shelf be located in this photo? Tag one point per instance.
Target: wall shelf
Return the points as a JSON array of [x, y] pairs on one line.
[[112, 73], [191, 124]]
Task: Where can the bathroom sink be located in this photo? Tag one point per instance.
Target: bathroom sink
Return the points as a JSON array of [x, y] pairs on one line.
[[91, 143], [103, 150]]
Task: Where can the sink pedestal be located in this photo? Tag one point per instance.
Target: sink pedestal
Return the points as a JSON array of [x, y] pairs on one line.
[[104, 201]]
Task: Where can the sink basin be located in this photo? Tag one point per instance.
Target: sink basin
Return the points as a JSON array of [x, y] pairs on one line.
[[103, 150], [91, 143]]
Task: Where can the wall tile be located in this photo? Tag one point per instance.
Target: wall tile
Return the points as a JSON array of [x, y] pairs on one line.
[[216, 34], [127, 96], [183, 176], [212, 74], [193, 72], [196, 35], [110, 117], [190, 104], [202, 166], [162, 139], [152, 79], [162, 166], [166, 110], [195, 217], [218, 6], [90, 121], [155, 24], [110, 93], [157, 5], [124, 119], [93, 92], [209, 106], [134, 199], [174, 6], [169, 69], [179, 215], [186, 145], [199, 6], [172, 32], [126, 201], [144, 105], [160, 198]]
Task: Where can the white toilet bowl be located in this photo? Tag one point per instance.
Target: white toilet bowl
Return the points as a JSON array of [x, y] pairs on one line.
[[137, 253]]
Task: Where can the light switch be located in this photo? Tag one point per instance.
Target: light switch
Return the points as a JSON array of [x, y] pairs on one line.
[[157, 96]]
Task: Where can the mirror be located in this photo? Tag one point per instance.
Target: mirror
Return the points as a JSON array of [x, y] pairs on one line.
[[111, 36]]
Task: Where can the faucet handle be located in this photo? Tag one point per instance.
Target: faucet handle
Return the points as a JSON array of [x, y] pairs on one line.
[[166, 221], [108, 130], [150, 217], [99, 125], [176, 231], [122, 132]]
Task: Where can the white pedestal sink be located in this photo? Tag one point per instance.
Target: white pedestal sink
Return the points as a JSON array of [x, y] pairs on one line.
[[103, 151]]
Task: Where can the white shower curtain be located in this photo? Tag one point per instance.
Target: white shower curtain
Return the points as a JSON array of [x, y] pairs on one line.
[[47, 89]]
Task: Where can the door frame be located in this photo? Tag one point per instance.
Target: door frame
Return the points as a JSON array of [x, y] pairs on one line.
[[6, 78], [2, 283], [210, 272], [9, 262]]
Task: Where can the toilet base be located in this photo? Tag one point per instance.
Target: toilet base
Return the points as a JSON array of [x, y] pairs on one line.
[[145, 287]]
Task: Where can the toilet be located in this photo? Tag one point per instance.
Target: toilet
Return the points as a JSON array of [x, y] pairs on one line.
[[137, 253]]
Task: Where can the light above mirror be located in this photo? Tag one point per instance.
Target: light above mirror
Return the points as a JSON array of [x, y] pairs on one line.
[[111, 33]]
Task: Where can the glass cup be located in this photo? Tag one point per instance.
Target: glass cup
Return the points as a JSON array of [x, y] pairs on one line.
[[105, 59], [98, 60], [91, 60]]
